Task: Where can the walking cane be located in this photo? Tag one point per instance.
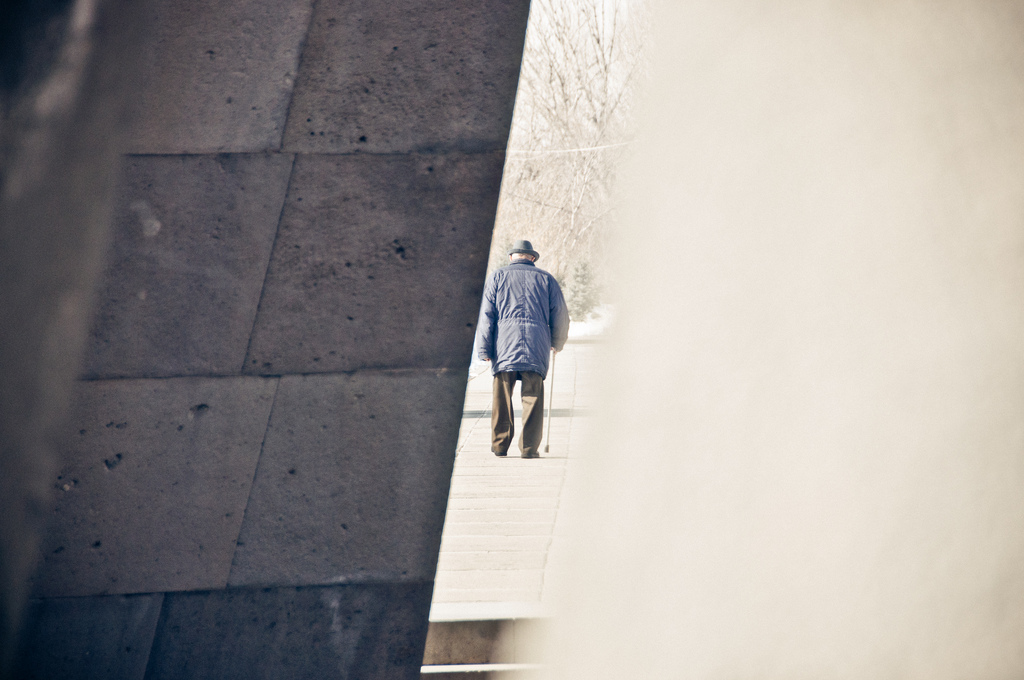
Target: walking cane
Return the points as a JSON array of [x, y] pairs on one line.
[[551, 397]]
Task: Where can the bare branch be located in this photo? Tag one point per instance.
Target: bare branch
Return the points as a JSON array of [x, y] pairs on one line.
[[580, 67]]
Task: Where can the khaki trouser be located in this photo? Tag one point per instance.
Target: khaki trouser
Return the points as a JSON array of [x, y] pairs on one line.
[[503, 417]]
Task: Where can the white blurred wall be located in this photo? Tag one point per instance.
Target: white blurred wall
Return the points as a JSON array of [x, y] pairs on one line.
[[812, 463]]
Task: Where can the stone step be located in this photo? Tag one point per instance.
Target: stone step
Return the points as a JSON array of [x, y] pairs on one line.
[[503, 671], [483, 642]]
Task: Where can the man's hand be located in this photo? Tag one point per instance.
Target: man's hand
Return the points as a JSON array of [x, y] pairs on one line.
[[554, 351]]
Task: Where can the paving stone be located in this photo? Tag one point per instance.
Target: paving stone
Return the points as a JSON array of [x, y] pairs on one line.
[[516, 579], [152, 491], [490, 467], [191, 244], [487, 611], [508, 479], [408, 76], [219, 75], [512, 469], [506, 504], [369, 632], [495, 542], [352, 482], [507, 528], [493, 594], [494, 516], [464, 491], [84, 638], [493, 560], [379, 263]]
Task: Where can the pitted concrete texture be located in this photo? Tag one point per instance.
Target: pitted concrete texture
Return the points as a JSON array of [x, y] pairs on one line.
[[191, 242], [101, 638], [370, 632], [379, 263], [350, 484], [151, 495], [67, 70], [219, 75], [407, 75], [348, 267]]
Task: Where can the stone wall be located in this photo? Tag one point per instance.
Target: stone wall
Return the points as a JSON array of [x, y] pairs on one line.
[[262, 437]]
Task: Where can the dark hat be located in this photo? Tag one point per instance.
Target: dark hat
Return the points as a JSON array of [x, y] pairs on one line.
[[526, 247]]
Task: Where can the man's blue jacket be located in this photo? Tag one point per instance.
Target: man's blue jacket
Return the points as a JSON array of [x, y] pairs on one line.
[[523, 315]]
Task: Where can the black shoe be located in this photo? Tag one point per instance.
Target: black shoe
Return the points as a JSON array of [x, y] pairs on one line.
[[500, 454]]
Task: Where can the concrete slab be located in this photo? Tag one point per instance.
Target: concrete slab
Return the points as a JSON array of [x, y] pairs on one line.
[[503, 503], [507, 527], [408, 76], [88, 638], [491, 468], [370, 632], [521, 491], [219, 75], [352, 482], [514, 579], [496, 543], [492, 560], [492, 516], [509, 479], [191, 244], [379, 263], [500, 593], [483, 611], [487, 468], [151, 494]]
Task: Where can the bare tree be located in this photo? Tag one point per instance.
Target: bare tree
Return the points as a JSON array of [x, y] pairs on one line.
[[571, 126]]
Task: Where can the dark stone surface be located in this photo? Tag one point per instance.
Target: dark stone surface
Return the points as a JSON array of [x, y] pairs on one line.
[[191, 244], [143, 506], [152, 492], [353, 481], [407, 75], [84, 638], [379, 263], [220, 74], [63, 86], [355, 632]]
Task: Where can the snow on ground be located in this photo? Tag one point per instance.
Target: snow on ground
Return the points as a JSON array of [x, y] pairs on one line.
[[594, 325]]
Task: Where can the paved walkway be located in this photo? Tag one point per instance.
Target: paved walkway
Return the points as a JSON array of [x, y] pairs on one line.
[[502, 526]]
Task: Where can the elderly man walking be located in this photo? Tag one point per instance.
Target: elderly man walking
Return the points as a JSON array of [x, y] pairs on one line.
[[523, 318]]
